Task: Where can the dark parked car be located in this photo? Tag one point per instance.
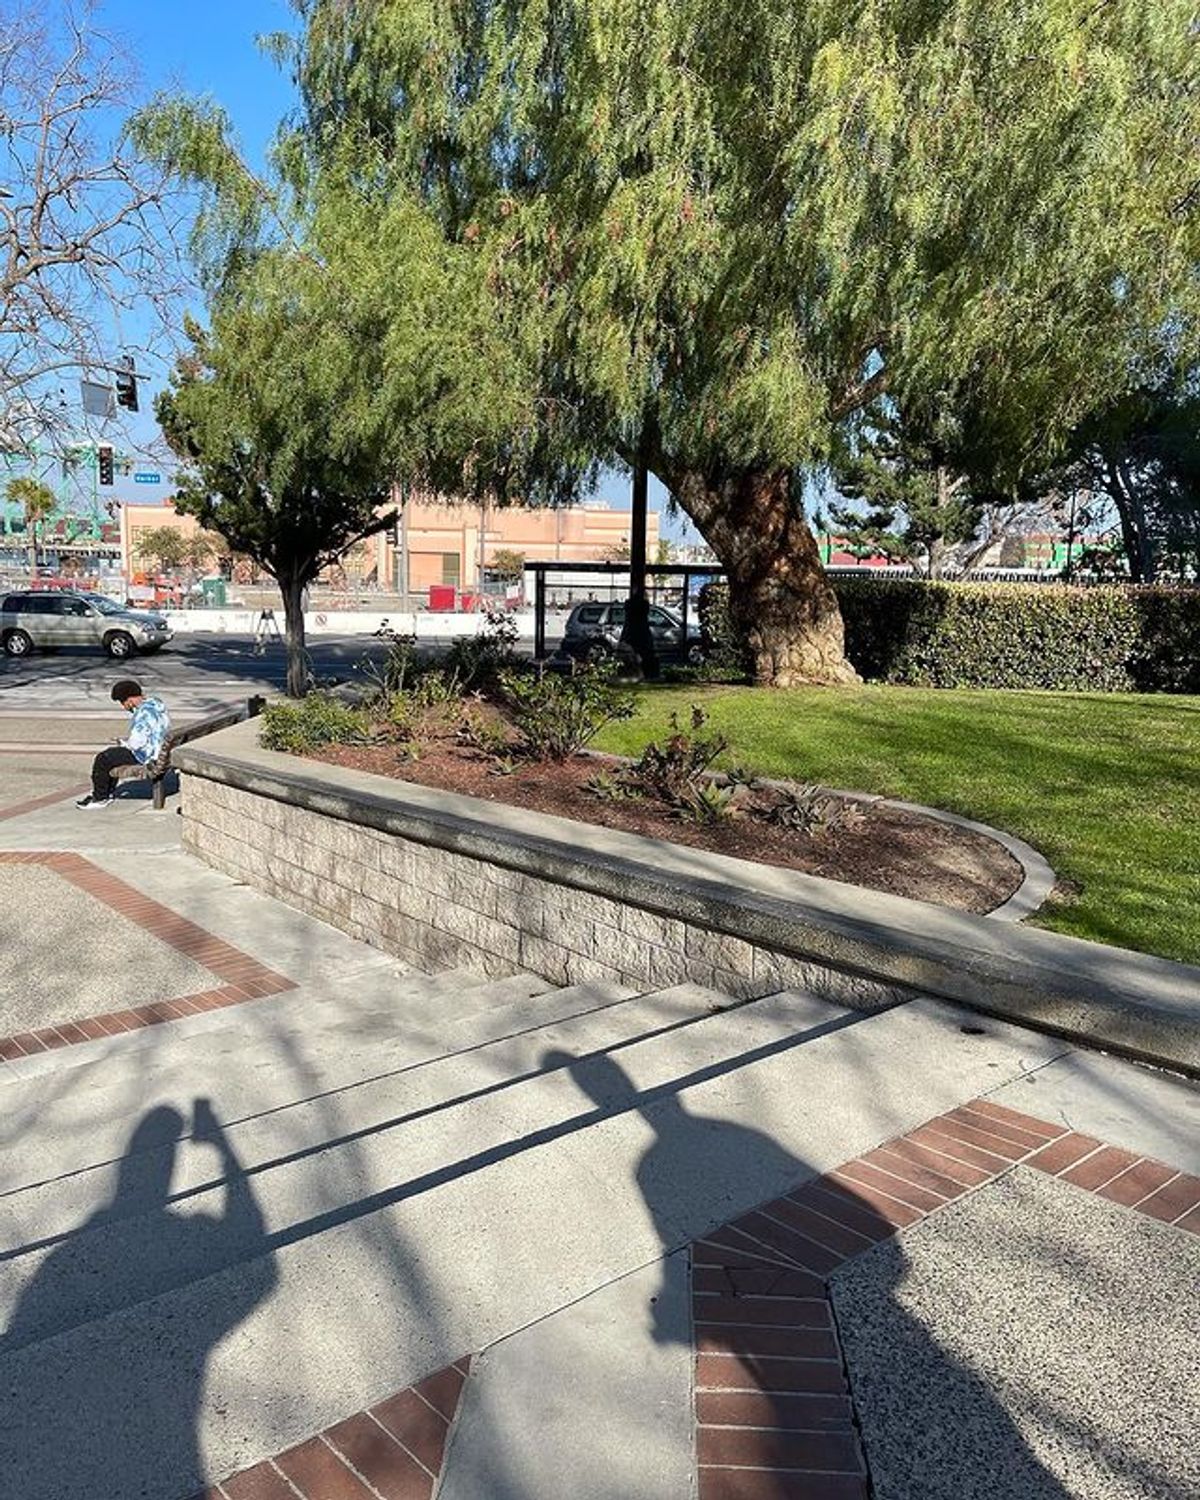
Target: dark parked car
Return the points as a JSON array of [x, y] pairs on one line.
[[45, 621], [593, 631]]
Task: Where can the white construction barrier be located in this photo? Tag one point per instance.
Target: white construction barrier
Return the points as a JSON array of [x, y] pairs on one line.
[[424, 625]]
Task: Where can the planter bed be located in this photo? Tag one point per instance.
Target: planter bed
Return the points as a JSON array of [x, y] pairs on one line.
[[442, 879], [903, 852]]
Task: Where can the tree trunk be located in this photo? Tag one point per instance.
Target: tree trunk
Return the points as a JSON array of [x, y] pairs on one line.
[[780, 601], [292, 590], [1132, 517]]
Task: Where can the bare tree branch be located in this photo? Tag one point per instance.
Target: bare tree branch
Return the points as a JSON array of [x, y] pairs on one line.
[[89, 230]]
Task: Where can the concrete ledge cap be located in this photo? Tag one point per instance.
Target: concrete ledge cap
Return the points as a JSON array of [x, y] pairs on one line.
[[1109, 997]]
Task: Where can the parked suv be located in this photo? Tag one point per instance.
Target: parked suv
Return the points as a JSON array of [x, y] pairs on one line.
[[46, 621], [594, 631]]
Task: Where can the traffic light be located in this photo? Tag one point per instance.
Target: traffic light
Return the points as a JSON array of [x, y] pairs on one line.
[[105, 457], [127, 395]]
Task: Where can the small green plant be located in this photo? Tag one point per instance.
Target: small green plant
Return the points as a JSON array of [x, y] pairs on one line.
[[437, 688], [479, 733], [810, 811], [504, 765], [391, 678], [708, 803], [319, 719], [798, 808], [674, 771], [606, 787], [556, 716]]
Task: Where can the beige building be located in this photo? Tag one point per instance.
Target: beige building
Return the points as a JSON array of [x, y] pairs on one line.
[[456, 544], [136, 520], [444, 543]]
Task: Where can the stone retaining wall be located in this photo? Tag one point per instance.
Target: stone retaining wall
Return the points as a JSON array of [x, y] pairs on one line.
[[437, 909], [447, 881]]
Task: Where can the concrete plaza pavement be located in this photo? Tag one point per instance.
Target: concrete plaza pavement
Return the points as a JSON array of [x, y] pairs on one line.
[[224, 1234]]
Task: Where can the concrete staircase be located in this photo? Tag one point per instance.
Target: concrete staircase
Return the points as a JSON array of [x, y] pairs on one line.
[[220, 1236]]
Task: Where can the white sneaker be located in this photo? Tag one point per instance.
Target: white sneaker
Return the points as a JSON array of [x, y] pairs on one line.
[[90, 803]]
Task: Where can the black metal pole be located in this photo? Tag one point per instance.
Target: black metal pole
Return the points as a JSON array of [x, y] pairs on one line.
[[636, 634], [1070, 540], [539, 617]]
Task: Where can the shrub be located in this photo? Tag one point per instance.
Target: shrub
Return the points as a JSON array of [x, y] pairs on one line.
[[311, 722], [556, 716], [675, 771], [1111, 639], [394, 675], [478, 660]]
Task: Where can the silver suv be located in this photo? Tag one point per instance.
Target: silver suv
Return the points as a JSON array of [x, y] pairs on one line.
[[593, 632], [46, 621]]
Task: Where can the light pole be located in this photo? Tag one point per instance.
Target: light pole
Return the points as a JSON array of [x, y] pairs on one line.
[[1070, 539]]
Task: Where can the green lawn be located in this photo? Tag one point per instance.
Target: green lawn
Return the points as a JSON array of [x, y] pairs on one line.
[[1107, 786]]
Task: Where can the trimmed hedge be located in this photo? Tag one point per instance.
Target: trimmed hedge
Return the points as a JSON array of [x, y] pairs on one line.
[[984, 635]]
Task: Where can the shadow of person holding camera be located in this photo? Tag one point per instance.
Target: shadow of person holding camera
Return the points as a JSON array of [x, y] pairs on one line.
[[103, 1361]]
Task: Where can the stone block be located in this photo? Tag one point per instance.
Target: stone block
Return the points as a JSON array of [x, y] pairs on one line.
[[781, 971], [582, 970], [720, 950], [519, 901], [651, 927], [470, 887], [538, 955]]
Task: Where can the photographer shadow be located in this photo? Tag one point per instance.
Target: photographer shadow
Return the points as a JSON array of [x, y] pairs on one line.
[[103, 1361]]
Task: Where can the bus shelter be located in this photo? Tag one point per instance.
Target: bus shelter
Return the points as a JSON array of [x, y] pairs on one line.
[[675, 586]]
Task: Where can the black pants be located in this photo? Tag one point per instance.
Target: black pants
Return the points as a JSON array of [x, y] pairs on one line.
[[106, 762]]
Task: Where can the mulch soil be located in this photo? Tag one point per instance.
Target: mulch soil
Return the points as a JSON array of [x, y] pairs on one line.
[[894, 851]]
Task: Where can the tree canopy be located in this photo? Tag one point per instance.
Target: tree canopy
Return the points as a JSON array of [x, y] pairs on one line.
[[87, 224], [717, 232], [350, 347]]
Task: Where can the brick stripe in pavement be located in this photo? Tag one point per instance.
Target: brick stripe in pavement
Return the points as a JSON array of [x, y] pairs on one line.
[[242, 977], [35, 804], [391, 1451], [773, 1404]]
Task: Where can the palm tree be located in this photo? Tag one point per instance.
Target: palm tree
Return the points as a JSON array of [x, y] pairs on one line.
[[37, 502]]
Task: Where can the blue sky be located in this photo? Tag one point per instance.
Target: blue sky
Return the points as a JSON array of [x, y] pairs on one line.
[[211, 49]]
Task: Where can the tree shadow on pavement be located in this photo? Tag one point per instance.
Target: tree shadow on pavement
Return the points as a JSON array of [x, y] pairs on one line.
[[759, 1405], [80, 1421]]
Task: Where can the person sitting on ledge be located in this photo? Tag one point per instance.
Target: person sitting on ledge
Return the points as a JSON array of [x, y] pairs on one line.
[[147, 735]]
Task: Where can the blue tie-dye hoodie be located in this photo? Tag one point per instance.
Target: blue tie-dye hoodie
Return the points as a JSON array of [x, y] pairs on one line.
[[149, 729]]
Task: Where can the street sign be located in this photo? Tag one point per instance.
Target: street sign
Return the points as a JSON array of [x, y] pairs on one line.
[[147, 478], [97, 399]]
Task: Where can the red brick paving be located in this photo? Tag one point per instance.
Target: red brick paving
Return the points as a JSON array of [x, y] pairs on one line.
[[244, 977], [773, 1416], [393, 1451], [35, 804]]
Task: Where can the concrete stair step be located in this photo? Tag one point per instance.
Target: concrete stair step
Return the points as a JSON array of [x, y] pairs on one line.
[[254, 1071], [371, 1004], [340, 1147], [261, 1311], [365, 989]]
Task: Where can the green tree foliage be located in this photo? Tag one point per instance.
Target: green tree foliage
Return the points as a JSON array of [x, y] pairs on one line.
[[720, 231], [37, 502], [164, 546], [347, 351], [273, 461], [902, 469], [1142, 452], [507, 563]]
